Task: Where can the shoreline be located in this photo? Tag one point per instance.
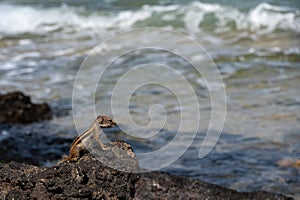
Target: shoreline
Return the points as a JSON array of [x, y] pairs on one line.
[[39, 150]]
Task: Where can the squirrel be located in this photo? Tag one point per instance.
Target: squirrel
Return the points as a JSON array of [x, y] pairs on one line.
[[90, 135]]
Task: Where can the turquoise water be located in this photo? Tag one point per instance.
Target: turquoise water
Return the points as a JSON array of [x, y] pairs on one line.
[[255, 45]]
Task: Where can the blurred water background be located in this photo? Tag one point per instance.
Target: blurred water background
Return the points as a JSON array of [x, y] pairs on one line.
[[255, 44]]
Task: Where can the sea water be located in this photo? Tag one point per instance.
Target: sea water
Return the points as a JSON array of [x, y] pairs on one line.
[[255, 46]]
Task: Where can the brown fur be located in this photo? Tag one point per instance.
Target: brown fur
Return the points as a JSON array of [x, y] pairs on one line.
[[94, 131]]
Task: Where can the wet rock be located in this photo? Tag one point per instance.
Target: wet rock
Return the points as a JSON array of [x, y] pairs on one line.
[[17, 108], [160, 185]]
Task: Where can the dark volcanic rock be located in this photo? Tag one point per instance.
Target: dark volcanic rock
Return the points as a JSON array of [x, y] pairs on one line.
[[16, 108], [91, 178], [160, 185], [86, 178]]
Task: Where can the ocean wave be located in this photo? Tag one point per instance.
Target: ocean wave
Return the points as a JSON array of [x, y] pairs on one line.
[[262, 19], [194, 18], [26, 19], [267, 18]]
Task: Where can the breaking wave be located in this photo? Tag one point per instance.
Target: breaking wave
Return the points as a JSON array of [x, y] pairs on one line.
[[193, 18]]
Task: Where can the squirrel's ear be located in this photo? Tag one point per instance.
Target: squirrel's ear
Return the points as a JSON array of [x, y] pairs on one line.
[[100, 119]]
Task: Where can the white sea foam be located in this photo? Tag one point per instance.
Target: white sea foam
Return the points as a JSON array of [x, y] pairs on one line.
[[267, 18], [262, 19], [20, 19]]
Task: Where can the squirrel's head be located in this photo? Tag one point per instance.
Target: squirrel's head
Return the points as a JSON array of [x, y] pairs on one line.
[[106, 122]]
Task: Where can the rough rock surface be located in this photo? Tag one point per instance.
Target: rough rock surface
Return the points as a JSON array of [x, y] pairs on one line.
[[89, 178], [17, 108], [160, 185]]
